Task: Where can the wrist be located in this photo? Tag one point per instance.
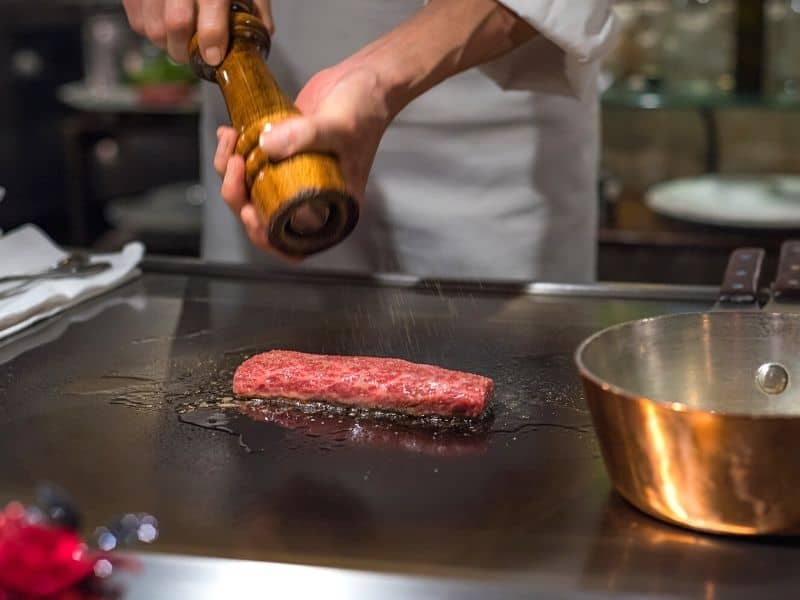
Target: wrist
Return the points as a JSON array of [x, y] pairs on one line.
[[396, 77]]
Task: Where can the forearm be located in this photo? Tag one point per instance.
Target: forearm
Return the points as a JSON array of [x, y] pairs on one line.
[[443, 39]]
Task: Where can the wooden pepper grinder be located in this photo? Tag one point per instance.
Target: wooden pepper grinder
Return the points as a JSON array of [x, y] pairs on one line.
[[277, 189]]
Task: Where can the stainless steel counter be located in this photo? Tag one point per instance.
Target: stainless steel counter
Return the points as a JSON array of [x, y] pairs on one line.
[[89, 400]]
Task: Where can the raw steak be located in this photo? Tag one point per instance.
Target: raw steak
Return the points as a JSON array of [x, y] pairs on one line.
[[372, 383]]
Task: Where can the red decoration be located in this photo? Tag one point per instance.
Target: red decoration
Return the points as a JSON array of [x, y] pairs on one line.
[[38, 560]]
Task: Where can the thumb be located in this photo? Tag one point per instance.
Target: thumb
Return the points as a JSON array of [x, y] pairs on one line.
[[212, 29], [295, 135]]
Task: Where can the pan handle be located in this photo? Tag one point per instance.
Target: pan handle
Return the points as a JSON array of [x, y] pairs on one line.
[[785, 291], [787, 282], [739, 290]]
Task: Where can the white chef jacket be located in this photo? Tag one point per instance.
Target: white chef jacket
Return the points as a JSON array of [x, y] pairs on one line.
[[490, 175]]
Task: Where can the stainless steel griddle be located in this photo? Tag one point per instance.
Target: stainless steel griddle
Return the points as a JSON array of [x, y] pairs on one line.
[[90, 400]]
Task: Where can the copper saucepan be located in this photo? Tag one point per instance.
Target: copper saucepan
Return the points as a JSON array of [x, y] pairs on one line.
[[698, 414]]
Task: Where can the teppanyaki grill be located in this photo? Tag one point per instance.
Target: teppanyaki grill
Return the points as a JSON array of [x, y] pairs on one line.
[[88, 400]]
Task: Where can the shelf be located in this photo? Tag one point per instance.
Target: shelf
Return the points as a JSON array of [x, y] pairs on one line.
[[618, 97], [632, 223]]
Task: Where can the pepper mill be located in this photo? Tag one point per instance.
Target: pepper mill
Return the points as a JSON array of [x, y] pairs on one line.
[[277, 189]]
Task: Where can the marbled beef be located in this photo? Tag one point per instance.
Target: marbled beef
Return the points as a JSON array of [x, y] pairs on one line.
[[365, 382]]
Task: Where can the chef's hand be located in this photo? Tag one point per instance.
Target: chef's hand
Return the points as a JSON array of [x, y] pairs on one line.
[[347, 108], [344, 112], [170, 24]]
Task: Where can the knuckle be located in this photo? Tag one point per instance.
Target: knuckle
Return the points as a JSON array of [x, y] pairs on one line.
[[226, 190], [211, 32], [346, 128], [132, 10], [229, 137], [155, 32], [299, 135], [136, 23], [179, 19], [290, 145]]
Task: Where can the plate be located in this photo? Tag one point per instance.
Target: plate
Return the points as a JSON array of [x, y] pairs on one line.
[[753, 202], [120, 99], [171, 209]]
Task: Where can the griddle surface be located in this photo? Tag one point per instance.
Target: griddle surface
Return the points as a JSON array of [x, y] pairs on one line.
[[89, 400]]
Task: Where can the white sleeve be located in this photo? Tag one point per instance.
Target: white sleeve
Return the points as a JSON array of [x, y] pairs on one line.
[[564, 58]]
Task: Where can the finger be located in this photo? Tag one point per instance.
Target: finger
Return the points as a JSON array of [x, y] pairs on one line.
[[264, 8], [212, 30], [256, 230], [179, 22], [257, 233], [154, 28], [133, 8], [298, 134], [234, 190], [226, 146]]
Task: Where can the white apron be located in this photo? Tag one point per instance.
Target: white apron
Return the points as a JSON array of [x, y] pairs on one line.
[[471, 181]]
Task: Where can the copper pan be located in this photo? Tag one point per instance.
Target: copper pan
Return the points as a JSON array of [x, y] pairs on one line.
[[698, 414]]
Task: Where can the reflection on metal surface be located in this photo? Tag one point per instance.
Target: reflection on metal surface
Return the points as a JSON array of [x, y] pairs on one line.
[[650, 558], [664, 468], [336, 429], [47, 331], [199, 578], [686, 433]]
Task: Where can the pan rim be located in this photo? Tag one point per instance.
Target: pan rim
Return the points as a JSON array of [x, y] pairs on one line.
[[674, 406]]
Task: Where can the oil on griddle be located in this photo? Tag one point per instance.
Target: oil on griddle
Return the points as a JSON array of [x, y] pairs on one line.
[[210, 404], [527, 397]]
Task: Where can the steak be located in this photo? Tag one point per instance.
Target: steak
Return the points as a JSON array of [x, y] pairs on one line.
[[386, 384]]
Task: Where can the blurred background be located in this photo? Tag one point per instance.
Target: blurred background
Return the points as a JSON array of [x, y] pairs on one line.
[[700, 111]]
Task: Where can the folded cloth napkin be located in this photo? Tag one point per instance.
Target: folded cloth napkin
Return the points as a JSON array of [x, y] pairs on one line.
[[28, 250]]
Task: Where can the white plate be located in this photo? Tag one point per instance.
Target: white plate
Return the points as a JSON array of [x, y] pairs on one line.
[[175, 208], [119, 99], [755, 202]]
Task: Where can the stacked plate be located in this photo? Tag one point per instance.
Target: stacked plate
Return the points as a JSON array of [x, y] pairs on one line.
[[753, 202]]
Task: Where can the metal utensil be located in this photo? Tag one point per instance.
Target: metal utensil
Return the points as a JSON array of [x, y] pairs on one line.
[[75, 264], [698, 414]]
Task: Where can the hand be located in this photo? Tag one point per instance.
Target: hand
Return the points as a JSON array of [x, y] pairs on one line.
[[344, 112], [347, 108], [170, 24]]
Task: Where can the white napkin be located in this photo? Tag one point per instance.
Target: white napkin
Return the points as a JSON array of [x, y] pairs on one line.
[[28, 250]]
